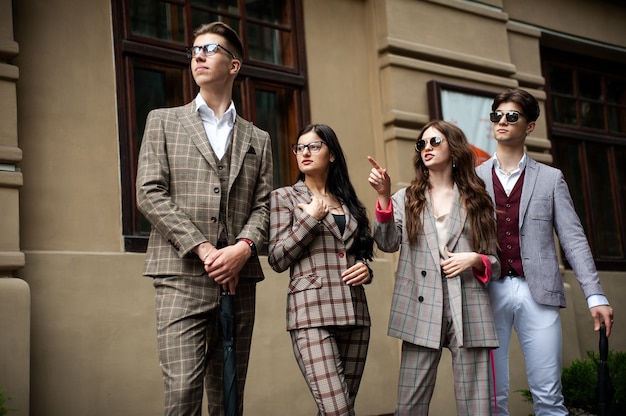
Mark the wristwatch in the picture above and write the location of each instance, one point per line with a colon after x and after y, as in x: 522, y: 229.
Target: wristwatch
x: 251, y: 244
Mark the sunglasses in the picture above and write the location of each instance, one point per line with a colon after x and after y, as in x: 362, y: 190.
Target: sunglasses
x: 434, y: 142
x: 512, y: 117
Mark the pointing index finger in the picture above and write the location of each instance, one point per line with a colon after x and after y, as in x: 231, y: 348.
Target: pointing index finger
x: 373, y: 162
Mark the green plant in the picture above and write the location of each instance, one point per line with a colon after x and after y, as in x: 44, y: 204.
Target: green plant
x: 580, y: 384
x: 4, y: 398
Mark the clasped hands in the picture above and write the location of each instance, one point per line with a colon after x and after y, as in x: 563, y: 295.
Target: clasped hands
x: 223, y: 265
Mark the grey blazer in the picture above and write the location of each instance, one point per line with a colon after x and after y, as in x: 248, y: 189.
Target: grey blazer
x: 178, y: 190
x: 418, y: 293
x: 545, y: 207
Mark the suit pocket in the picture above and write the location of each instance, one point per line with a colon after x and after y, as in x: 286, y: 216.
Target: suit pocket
x: 304, y: 282
x: 540, y: 209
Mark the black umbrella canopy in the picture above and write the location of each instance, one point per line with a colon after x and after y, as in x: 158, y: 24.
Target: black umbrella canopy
x: 605, y: 387
x: 227, y: 333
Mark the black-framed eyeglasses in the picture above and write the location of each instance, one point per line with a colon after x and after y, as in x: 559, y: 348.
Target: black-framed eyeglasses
x: 314, y: 147
x: 512, y: 117
x: 434, y: 142
x: 209, y: 49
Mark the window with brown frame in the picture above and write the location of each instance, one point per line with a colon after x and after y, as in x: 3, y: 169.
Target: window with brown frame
x: 153, y: 71
x: 586, y: 114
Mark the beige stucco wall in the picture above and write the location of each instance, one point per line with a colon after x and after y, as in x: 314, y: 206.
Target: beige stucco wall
x: 93, y: 338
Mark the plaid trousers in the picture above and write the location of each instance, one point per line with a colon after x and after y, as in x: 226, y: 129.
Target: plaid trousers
x: 189, y: 344
x: 418, y: 372
x: 332, y: 360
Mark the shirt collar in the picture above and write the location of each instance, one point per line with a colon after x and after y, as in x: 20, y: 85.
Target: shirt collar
x: 229, y: 115
x: 520, y: 166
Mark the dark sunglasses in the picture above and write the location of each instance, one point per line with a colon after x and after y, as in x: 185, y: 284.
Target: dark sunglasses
x: 209, y: 49
x: 511, y: 116
x: 434, y: 142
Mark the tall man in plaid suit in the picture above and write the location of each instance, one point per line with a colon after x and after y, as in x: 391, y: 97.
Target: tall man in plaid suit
x: 203, y: 182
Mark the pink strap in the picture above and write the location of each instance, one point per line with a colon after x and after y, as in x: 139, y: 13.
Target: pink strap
x: 493, y: 372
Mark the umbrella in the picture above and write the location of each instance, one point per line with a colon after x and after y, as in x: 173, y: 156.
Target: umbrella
x: 605, y: 387
x: 227, y: 332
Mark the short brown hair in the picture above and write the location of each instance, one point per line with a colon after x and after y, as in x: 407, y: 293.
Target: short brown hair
x: 220, y: 28
x: 528, y: 103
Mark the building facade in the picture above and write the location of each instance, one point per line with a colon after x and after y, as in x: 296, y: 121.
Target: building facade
x: 77, y: 78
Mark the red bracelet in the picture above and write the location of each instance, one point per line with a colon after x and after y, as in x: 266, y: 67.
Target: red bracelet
x: 250, y: 243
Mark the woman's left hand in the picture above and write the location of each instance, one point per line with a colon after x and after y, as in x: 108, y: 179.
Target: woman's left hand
x: 356, y: 275
x: 457, y: 263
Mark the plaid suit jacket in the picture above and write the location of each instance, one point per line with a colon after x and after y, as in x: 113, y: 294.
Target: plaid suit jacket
x: 178, y: 190
x: 316, y: 254
x: 417, y: 304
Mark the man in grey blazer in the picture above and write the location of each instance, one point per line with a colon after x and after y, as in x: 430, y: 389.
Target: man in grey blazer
x: 532, y: 202
x: 203, y: 182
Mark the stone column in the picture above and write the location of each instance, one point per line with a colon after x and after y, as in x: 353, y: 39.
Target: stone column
x: 14, y: 292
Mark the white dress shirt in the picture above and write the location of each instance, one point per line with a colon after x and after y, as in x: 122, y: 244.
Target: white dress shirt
x: 218, y: 131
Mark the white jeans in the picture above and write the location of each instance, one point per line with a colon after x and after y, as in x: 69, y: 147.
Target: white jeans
x: 538, y: 328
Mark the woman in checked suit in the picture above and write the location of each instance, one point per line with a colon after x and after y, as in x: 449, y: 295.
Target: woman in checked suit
x: 444, y: 226
x: 319, y: 230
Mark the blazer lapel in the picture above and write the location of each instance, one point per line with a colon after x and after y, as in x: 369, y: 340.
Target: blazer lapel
x: 351, y: 224
x: 488, y: 178
x: 190, y: 119
x: 458, y: 215
x: 430, y: 230
x: 530, y: 179
x: 240, y: 142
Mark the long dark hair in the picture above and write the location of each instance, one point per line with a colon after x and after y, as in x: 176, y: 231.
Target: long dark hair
x: 338, y: 183
x: 474, y: 197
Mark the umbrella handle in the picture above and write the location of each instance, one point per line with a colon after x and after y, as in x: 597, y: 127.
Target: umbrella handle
x: 603, y: 344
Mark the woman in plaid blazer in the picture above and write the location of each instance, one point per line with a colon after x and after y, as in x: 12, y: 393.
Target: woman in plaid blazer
x: 320, y: 231
x: 441, y: 223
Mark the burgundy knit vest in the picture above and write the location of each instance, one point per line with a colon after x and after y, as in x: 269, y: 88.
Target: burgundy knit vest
x: 507, y: 215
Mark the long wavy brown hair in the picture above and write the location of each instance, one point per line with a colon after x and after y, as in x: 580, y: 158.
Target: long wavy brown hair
x: 474, y: 197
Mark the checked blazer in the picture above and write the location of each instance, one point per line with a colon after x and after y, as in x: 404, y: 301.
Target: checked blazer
x: 417, y: 303
x: 545, y: 207
x: 178, y: 190
x: 316, y: 254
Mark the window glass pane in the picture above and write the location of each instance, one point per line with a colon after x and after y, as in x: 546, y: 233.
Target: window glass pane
x: 155, y: 87
x: 566, y: 158
x: 589, y: 85
x: 561, y: 81
x: 616, y: 91
x: 592, y: 115
x: 268, y: 11
x: 603, y: 205
x: 620, y: 159
x: 564, y: 110
x: 269, y: 45
x: 157, y: 20
x: 200, y: 17
x: 617, y: 119
x: 229, y: 6
x: 272, y: 109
